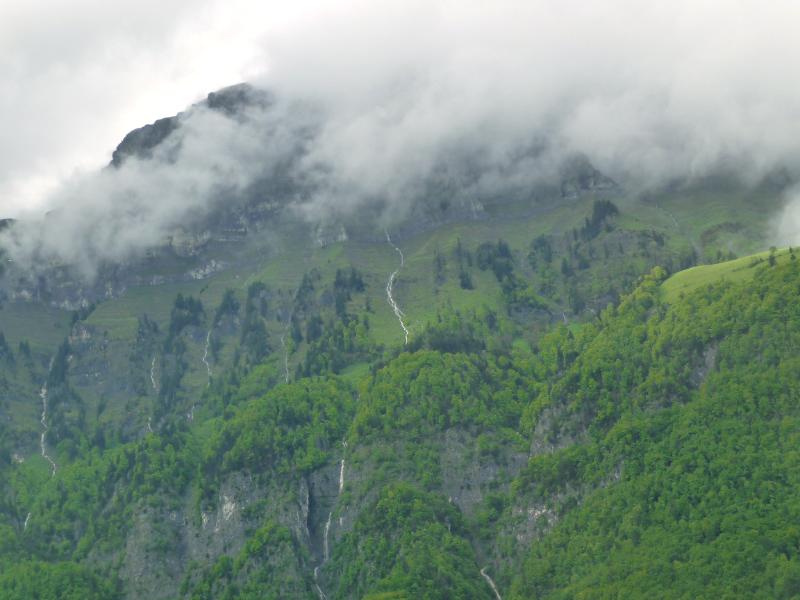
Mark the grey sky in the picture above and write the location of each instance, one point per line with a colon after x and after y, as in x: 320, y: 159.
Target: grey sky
x: 648, y: 90
x: 76, y: 75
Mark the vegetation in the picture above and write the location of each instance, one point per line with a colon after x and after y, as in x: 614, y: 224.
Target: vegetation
x: 409, y: 544
x: 569, y: 416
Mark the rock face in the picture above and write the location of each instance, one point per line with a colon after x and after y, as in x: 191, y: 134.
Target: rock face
x: 165, y: 544
x: 140, y: 142
x: 579, y: 176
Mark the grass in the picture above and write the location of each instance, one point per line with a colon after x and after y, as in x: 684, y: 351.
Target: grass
x: 699, y: 218
x: 740, y: 269
x: 701, y: 214
x: 43, y: 327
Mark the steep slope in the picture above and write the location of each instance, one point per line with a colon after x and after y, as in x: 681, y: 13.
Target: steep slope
x: 647, y: 452
x: 269, y: 407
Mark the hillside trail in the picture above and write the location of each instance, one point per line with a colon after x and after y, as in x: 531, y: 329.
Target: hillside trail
x: 390, y: 285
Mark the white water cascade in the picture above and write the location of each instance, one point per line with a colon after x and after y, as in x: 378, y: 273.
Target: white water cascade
x: 491, y: 583
x: 153, y: 374
x: 205, y: 355
x: 45, y: 428
x: 320, y: 593
x: 326, y: 554
x: 390, y: 284
x: 27, y: 519
x: 325, y: 549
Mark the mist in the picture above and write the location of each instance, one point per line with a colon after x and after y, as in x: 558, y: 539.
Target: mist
x: 487, y: 95
x: 114, y: 215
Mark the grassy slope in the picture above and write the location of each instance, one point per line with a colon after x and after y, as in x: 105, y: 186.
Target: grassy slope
x: 718, y: 219
x: 282, y: 261
x: 41, y: 326
x: 740, y: 269
x: 677, y: 214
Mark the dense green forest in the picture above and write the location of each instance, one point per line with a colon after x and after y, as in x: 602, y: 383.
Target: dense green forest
x: 646, y: 446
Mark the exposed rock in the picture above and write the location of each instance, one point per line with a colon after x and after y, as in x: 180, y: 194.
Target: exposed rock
x: 578, y: 176
x: 141, y: 142
x: 466, y: 475
x: 701, y: 371
x: 163, y: 542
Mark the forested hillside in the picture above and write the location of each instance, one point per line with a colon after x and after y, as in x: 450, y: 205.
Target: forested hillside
x: 542, y: 393
x: 647, y: 449
x: 399, y: 300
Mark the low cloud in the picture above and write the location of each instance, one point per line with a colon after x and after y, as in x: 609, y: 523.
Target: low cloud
x: 477, y: 97
x: 115, y: 214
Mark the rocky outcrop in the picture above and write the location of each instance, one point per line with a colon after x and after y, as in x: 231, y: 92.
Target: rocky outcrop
x: 141, y: 142
x: 167, y: 544
x: 578, y: 176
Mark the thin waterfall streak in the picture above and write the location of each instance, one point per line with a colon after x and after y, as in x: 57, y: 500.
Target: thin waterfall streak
x: 325, y: 548
x: 390, y: 285
x: 153, y: 374
x: 43, y: 421
x: 205, y: 355
x: 488, y: 579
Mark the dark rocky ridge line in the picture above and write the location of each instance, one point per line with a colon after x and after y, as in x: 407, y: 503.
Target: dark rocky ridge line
x: 140, y: 142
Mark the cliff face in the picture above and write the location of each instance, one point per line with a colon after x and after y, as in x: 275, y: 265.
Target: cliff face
x: 170, y: 546
x: 140, y: 142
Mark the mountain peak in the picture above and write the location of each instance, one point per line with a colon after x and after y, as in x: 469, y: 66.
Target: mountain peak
x: 229, y: 100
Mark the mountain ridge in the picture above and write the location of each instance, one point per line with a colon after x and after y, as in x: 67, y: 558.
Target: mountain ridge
x: 249, y: 418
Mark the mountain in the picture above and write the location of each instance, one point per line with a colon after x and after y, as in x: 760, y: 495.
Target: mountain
x: 566, y: 390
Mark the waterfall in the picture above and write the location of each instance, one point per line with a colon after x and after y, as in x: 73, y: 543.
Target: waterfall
x: 390, y: 284
x: 45, y: 428
x: 325, y: 550
x: 153, y: 374
x: 491, y: 583
x: 326, y: 554
x: 205, y: 355
x: 320, y: 593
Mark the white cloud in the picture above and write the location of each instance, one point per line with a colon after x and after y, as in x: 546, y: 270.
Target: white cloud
x: 77, y: 75
x: 649, y: 91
